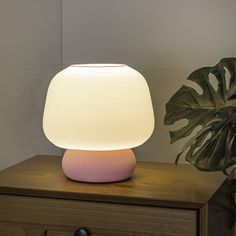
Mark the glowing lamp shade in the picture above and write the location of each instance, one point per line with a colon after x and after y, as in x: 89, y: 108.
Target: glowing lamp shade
x: 97, y: 109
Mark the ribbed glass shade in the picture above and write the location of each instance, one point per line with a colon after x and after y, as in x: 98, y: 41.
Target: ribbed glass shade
x: 98, y: 107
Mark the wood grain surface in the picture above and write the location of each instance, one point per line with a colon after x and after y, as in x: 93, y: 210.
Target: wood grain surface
x: 102, y: 219
x: 157, y: 184
x: 17, y: 229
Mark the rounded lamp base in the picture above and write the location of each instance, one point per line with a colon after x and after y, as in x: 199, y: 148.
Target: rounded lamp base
x: 98, y: 166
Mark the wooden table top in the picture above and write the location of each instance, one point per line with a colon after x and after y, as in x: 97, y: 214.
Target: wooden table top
x: 158, y: 184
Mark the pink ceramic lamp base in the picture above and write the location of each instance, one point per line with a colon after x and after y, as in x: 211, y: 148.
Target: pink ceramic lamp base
x: 98, y: 166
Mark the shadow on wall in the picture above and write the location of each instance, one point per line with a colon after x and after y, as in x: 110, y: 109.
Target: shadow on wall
x: 163, y: 84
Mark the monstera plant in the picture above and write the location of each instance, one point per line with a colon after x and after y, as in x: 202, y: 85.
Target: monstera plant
x: 213, y: 147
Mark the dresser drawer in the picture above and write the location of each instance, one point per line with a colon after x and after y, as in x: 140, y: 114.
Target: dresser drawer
x: 102, y: 219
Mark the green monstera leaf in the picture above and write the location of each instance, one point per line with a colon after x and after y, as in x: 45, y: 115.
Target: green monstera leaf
x: 213, y: 147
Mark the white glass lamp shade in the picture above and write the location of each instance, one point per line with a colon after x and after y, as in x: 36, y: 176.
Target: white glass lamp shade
x: 98, y: 107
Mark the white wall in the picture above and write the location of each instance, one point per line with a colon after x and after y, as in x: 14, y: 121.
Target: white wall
x: 163, y: 39
x: 30, y: 54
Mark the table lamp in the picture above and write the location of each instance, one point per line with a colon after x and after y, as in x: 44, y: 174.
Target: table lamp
x: 98, y: 112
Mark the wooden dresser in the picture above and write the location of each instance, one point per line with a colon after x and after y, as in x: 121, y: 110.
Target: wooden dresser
x: 36, y: 199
